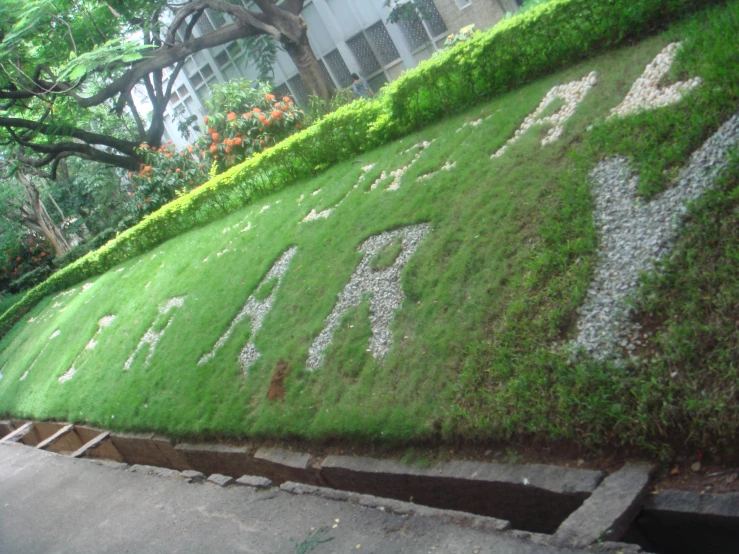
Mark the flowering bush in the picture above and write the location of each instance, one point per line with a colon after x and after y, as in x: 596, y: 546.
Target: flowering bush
x: 245, y: 118
x: 163, y: 175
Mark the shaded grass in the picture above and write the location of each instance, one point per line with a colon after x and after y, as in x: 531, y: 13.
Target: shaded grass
x: 491, y: 294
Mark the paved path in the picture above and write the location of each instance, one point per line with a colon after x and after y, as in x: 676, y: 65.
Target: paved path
x: 51, y: 503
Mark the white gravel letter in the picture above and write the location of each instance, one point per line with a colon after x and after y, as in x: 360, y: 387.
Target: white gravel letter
x: 633, y: 235
x: 152, y: 337
x: 572, y: 93
x: 257, y: 310
x: 104, y: 322
x: 647, y: 94
x: 384, y: 288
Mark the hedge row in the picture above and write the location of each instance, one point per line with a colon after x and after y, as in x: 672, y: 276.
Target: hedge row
x: 516, y: 51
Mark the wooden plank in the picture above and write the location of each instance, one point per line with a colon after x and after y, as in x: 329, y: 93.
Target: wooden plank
x: 56, y: 436
x: 91, y: 444
x: 18, y: 433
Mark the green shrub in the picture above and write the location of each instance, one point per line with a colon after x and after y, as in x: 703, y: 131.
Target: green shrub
x: 80, y: 250
x: 518, y: 50
x: 30, y: 279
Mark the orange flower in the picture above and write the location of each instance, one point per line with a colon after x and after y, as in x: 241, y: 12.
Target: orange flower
x: 257, y: 110
x: 130, y: 174
x: 231, y: 116
x: 213, y: 148
x: 215, y: 136
x: 237, y: 141
x: 286, y: 99
x: 189, y: 148
x: 205, y: 119
x: 168, y: 155
x: 298, y: 126
x: 228, y: 149
x: 177, y: 170
x: 246, y: 115
x: 147, y: 168
x: 269, y: 97
x: 276, y: 114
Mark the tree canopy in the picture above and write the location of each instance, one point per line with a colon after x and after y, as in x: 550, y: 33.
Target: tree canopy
x: 66, y: 66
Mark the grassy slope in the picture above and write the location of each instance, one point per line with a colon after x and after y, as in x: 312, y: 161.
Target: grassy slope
x: 487, y: 293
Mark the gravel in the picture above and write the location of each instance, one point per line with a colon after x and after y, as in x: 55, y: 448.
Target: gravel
x: 647, y: 94
x: 384, y: 288
x: 257, y: 310
x: 634, y: 235
x: 152, y: 337
x: 572, y: 93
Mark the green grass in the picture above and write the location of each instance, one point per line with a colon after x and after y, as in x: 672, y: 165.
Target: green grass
x: 489, y: 294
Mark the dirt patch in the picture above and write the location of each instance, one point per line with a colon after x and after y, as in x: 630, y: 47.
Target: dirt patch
x: 276, y: 389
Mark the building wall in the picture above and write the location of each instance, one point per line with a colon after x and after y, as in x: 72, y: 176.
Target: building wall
x: 348, y: 36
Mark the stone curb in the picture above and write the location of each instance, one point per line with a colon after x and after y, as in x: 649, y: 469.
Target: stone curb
x: 398, y: 507
x: 532, y: 497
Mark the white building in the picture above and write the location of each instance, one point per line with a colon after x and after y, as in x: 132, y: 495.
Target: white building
x: 347, y: 36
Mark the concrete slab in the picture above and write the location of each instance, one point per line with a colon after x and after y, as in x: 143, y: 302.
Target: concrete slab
x: 532, y: 497
x: 683, y: 522
x: 41, y: 431
x: 81, y: 506
x: 234, y: 461
x: 610, y: 510
x: 175, y: 459
x: 282, y: 465
x: 20, y: 431
x: 6, y: 427
x: 57, y: 438
x: 140, y: 448
x: 194, y: 476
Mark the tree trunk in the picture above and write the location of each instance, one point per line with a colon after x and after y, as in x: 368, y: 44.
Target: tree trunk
x: 309, y: 69
x: 35, y: 217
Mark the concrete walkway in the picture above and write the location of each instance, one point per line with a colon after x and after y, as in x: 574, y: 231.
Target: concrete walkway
x: 51, y: 503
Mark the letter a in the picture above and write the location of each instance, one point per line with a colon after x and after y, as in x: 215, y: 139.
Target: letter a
x: 384, y: 287
x: 152, y: 337
x: 257, y: 310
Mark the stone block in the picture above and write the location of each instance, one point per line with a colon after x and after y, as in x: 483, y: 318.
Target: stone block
x: 220, y: 480
x: 226, y: 460
x: 281, y: 465
x: 83, y: 450
x: 193, y: 476
x: 610, y: 510
x: 532, y: 497
x: 681, y: 521
x: 140, y: 448
x: 64, y: 440
x: 176, y: 459
x: 254, y: 481
x: 157, y: 471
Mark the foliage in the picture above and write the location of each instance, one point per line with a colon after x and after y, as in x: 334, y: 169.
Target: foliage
x: 80, y: 250
x: 29, y: 254
x: 165, y: 174
x: 30, y: 279
x: 245, y: 118
x: 513, y: 52
x: 465, y: 33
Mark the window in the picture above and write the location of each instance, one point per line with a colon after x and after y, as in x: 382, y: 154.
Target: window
x: 336, y: 64
x: 360, y: 47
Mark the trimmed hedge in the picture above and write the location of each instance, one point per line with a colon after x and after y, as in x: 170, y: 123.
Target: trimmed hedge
x: 516, y: 51
x: 80, y: 250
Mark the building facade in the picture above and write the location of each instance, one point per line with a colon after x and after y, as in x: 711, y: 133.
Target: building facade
x: 347, y: 36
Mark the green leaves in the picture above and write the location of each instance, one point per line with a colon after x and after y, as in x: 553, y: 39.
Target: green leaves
x: 110, y: 55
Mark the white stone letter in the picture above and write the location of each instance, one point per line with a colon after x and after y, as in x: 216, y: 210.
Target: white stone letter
x: 383, y: 286
x: 54, y: 335
x: 572, y: 93
x: 78, y: 361
x: 633, y: 235
x: 647, y: 94
x: 257, y: 310
x: 152, y: 337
